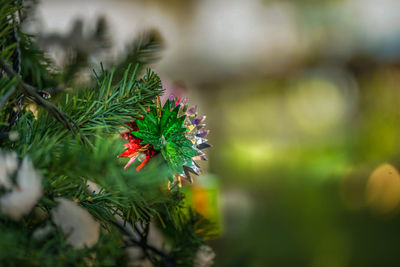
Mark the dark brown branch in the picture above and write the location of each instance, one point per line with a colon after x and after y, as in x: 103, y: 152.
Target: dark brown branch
x: 32, y: 92
x: 143, y: 244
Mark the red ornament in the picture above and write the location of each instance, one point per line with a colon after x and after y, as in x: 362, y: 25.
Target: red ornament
x: 134, y: 149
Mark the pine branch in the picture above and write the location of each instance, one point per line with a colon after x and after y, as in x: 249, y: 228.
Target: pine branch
x: 8, y: 28
x: 17, y: 53
x: 144, y: 50
x: 93, y: 116
x: 11, y: 90
x: 142, y: 243
x: 35, y: 66
x: 107, y: 106
x: 31, y: 91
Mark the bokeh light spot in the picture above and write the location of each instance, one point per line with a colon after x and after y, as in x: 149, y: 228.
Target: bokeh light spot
x: 316, y: 104
x: 383, y: 189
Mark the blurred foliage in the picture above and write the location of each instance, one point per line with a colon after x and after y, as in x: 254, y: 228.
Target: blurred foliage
x: 144, y: 50
x: 305, y: 159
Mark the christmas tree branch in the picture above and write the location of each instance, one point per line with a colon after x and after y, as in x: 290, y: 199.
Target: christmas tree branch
x: 9, y: 93
x: 31, y: 91
x: 143, y: 244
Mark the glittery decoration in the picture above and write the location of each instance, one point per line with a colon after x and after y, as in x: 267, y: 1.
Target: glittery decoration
x: 135, y: 150
x: 174, y: 130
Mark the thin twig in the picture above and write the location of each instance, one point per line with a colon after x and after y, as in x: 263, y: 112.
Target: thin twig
x: 32, y: 92
x: 166, y: 260
x: 7, y: 95
x: 146, y: 231
x: 17, y: 52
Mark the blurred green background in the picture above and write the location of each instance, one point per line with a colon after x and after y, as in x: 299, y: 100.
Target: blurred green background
x: 302, y: 100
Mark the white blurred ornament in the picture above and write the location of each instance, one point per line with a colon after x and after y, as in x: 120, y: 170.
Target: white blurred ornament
x: 77, y: 223
x: 22, y: 197
x: 8, y: 165
x: 204, y: 256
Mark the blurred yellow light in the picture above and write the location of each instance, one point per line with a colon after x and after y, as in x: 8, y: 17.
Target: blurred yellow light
x: 383, y: 189
x: 254, y: 155
x: 316, y: 104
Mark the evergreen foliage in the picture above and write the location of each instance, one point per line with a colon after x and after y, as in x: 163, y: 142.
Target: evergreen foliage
x: 73, y: 138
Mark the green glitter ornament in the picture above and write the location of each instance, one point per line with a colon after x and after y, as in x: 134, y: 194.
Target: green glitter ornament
x: 166, y: 130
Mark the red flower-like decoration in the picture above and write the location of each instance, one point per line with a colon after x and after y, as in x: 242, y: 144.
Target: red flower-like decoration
x: 134, y: 149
